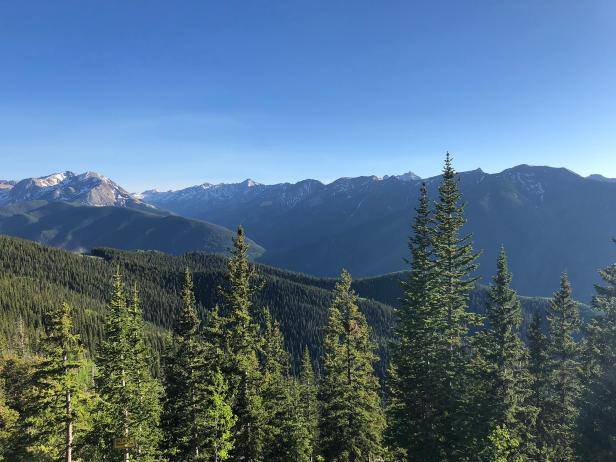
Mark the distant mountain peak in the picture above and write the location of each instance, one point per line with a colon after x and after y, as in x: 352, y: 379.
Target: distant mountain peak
x: 526, y: 168
x: 408, y: 176
x: 250, y: 183
x: 53, y: 179
x: 88, y: 188
x: 604, y: 179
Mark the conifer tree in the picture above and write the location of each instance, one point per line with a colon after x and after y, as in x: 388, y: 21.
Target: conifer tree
x: 413, y: 412
x: 598, y: 420
x: 55, y: 394
x: 563, y: 374
x: 196, y: 408
x: 239, y: 335
x: 454, y: 264
x: 352, y: 420
x: 504, y: 379
x: 129, y: 405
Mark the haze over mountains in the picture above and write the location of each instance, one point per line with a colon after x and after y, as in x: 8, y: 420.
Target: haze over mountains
x: 550, y: 220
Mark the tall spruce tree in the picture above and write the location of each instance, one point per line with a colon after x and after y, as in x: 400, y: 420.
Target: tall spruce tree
x: 597, y: 427
x: 503, y: 377
x: 454, y: 264
x: 563, y: 375
x: 352, y: 420
x: 196, y: 408
x: 239, y: 334
x: 129, y: 405
x: 55, y: 394
x: 415, y: 420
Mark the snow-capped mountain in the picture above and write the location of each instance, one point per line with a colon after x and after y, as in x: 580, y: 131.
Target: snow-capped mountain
x: 83, y: 211
x: 86, y: 189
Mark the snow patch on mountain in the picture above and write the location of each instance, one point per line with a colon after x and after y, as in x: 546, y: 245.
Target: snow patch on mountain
x: 87, y: 188
x: 528, y: 182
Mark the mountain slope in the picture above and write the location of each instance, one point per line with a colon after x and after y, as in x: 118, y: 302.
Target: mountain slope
x: 80, y: 228
x: 35, y: 277
x: 550, y: 220
x: 86, y: 189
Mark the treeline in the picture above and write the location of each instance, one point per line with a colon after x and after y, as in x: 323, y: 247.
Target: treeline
x: 34, y: 278
x: 461, y: 385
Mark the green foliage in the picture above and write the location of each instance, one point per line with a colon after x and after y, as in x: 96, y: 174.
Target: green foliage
x: 501, y: 385
x: 597, y: 427
x: 217, y: 421
x: 129, y: 405
x: 34, y: 278
x: 197, y: 416
x: 287, y: 431
x: 56, y: 400
x: 454, y: 262
x: 419, y: 343
x: 239, y: 347
x: 9, y: 418
x: 430, y: 374
x: 15, y: 376
x: 352, y: 420
x: 309, y: 404
x: 502, y: 447
x: 563, y: 375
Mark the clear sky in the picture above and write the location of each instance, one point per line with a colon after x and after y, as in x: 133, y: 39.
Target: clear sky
x: 173, y: 93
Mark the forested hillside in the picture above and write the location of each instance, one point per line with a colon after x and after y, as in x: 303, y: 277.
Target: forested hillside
x: 37, y: 277
x: 80, y: 228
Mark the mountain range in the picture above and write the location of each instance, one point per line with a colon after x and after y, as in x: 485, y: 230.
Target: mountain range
x: 550, y: 220
x: 79, y: 212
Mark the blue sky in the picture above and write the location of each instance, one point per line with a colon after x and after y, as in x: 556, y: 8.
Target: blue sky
x: 173, y: 93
